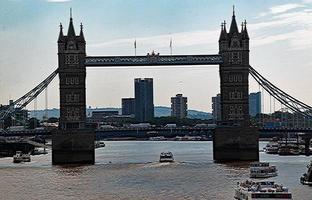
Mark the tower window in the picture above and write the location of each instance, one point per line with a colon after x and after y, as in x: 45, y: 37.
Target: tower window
x: 71, y: 59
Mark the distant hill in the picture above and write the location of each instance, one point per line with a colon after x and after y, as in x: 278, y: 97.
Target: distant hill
x: 160, y: 111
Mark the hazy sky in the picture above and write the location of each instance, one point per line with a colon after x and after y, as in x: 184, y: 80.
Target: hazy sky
x: 280, y: 45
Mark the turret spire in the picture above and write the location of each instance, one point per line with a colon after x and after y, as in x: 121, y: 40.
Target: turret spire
x: 71, y: 30
x: 233, y: 27
x: 61, y: 35
x: 224, y: 25
x: 245, y: 30
x: 223, y: 34
x: 81, y: 33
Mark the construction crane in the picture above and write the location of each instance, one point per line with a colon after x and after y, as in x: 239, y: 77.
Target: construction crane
x: 23, y: 101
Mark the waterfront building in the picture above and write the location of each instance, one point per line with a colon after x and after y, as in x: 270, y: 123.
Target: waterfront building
x: 144, y: 100
x: 254, y: 103
x: 179, y: 106
x: 127, y: 106
x: 101, y: 114
x: 216, y: 107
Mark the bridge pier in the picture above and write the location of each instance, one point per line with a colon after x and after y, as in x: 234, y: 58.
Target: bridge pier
x: 73, y: 147
x: 232, y: 143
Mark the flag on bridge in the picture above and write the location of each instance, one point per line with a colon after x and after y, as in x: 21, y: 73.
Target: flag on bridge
x: 135, y: 47
x: 170, y: 45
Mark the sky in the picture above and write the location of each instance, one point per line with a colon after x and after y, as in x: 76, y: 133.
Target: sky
x: 280, y: 46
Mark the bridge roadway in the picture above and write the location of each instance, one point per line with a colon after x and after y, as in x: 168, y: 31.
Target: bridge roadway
x: 152, y: 131
x: 152, y: 60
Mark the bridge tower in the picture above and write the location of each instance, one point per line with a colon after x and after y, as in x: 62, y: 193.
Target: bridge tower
x: 235, y: 139
x: 72, y: 143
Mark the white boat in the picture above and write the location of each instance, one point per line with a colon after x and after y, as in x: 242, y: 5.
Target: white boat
x: 19, y: 157
x: 262, y: 170
x: 272, y: 148
x: 99, y: 144
x: 166, y: 157
x: 306, y: 178
x: 250, y: 190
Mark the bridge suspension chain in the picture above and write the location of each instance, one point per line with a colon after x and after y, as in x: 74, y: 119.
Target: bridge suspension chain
x: 290, y: 102
x: 23, y: 101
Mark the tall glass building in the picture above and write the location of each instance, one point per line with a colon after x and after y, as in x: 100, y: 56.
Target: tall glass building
x: 144, y: 99
x: 254, y: 103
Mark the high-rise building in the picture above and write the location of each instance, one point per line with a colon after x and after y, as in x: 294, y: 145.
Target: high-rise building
x: 254, y: 103
x: 179, y: 106
x: 144, y: 101
x: 216, y: 107
x: 127, y: 105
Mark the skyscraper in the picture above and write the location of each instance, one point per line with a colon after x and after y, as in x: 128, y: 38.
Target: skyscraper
x: 179, y: 106
x: 127, y: 106
x: 254, y: 103
x: 216, y: 107
x: 144, y: 101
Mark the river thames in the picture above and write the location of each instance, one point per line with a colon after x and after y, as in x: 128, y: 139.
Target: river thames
x: 130, y: 170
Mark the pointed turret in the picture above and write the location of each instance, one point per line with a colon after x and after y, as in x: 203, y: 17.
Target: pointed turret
x: 61, y: 35
x: 71, y: 30
x: 246, y: 36
x: 233, y: 27
x: 81, y: 36
x: 223, y: 33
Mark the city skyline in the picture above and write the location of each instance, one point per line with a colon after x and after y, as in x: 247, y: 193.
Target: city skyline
x: 35, y: 49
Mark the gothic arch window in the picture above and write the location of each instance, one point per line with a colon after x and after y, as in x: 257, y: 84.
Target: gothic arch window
x: 235, y: 58
x: 72, y: 114
x: 71, y: 59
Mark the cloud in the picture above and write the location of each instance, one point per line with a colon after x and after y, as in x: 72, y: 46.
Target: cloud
x: 284, y: 8
x: 281, y: 9
x: 292, y: 27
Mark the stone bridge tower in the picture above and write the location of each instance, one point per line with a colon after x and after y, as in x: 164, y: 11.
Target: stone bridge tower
x: 73, y: 143
x: 234, y: 48
x: 235, y: 139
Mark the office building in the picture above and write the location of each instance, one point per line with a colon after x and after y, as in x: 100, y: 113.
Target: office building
x: 216, y: 107
x: 144, y: 101
x: 179, y: 106
x: 127, y: 106
x: 254, y: 103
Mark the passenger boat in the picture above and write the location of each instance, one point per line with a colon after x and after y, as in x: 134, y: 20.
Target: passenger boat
x: 289, y: 149
x: 19, y: 157
x: 262, y: 170
x: 306, y: 178
x: 250, y: 190
x: 271, y: 148
x: 99, y: 144
x: 166, y: 157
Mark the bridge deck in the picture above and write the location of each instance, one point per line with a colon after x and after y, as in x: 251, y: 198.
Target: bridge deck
x: 152, y: 60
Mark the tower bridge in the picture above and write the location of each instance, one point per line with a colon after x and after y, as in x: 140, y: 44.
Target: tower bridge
x: 234, y: 138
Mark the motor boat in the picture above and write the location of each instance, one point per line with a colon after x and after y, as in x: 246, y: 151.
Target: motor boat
x: 166, y: 157
x: 262, y: 170
x: 20, y: 157
x: 250, y: 190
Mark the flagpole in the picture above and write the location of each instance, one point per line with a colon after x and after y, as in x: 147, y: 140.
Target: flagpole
x: 135, y: 47
x: 171, y: 46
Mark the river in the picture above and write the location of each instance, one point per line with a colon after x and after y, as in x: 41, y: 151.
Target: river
x: 130, y: 170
